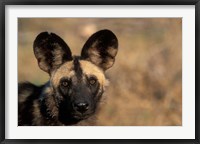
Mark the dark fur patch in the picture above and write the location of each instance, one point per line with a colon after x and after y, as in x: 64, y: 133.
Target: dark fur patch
x: 25, y: 107
x: 77, y: 68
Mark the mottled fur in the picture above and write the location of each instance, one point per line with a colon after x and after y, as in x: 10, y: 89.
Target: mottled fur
x: 73, y: 94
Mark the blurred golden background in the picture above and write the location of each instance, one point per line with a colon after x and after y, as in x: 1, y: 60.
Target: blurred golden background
x: 146, y: 80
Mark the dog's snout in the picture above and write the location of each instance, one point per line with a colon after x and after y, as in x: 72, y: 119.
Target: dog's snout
x: 81, y: 107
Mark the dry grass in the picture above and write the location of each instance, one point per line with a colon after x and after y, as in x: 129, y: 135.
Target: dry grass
x: 146, y: 80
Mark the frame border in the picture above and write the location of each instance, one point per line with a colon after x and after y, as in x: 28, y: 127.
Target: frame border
x: 3, y: 4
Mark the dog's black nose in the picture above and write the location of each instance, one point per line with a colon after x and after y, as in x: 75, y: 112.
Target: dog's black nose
x: 81, y: 107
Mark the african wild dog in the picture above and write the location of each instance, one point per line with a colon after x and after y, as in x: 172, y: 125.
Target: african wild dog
x: 76, y: 85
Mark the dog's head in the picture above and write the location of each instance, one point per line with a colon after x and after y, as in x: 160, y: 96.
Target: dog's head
x: 77, y: 81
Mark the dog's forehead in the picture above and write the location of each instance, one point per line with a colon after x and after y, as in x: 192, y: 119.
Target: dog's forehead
x: 90, y: 69
x: 68, y: 70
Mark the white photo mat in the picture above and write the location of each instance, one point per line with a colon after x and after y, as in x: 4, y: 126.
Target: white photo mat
x: 186, y: 131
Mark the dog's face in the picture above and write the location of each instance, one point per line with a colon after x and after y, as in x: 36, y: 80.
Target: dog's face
x: 78, y: 82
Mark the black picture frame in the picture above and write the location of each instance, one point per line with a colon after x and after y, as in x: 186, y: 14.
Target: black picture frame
x: 100, y: 2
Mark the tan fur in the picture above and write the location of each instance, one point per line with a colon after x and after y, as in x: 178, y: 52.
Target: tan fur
x: 112, y: 51
x: 58, y: 54
x: 52, y: 106
x: 91, y: 69
x: 42, y: 64
x: 65, y: 70
x: 94, y: 55
x: 37, y: 117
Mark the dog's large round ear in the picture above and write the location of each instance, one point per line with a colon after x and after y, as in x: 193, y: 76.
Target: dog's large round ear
x: 51, y: 51
x: 101, y: 49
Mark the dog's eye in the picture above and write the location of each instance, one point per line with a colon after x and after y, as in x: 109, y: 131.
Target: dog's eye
x: 92, y: 81
x: 65, y: 83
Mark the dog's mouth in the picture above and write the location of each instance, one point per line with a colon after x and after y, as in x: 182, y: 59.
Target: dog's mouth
x: 73, y: 117
x: 80, y: 116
